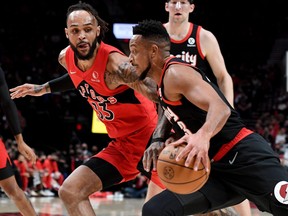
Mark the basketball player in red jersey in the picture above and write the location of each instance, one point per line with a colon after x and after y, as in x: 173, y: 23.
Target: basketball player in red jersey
x: 199, y: 47
x: 7, y: 179
x: 243, y: 164
x: 98, y: 71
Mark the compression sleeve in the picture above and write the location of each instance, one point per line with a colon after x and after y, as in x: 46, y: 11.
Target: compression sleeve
x: 60, y: 84
x: 9, y: 106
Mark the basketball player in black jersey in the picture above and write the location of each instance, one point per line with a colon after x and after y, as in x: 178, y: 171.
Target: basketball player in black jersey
x: 196, y: 45
x: 243, y: 165
x: 7, y: 178
x: 199, y: 47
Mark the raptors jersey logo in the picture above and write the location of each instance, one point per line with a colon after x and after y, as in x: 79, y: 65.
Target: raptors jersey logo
x: 281, y: 192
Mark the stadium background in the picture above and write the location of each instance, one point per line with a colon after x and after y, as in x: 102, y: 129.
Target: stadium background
x: 32, y: 35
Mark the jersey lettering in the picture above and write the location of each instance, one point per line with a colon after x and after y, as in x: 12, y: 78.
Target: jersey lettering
x: 185, y: 56
x: 98, y: 102
x: 175, y: 120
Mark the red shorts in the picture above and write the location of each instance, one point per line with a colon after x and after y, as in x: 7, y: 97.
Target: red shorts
x: 126, y: 153
x: 5, y: 163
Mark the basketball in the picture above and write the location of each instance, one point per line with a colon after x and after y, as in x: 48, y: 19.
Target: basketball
x: 176, y: 176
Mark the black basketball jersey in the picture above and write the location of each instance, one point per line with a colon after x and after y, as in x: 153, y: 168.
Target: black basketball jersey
x: 184, y: 114
x: 188, y: 49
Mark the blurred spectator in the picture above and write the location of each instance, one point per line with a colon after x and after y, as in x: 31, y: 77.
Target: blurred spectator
x: 136, y: 188
x: 280, y: 140
x: 86, y: 153
x: 57, y: 176
x: 22, y: 166
x: 94, y: 149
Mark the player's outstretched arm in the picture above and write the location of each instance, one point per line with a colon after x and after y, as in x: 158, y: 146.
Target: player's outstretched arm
x: 24, y: 149
x: 60, y: 84
x: 29, y: 89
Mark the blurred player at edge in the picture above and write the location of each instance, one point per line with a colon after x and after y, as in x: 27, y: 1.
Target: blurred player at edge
x: 7, y: 178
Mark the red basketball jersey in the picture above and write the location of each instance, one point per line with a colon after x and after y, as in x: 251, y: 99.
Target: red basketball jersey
x: 122, y: 110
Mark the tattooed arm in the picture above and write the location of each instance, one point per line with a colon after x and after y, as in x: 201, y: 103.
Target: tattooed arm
x: 119, y: 71
x: 60, y: 84
x: 29, y: 89
x: 147, y: 87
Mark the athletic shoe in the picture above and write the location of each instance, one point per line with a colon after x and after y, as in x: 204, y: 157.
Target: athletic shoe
x: 47, y: 193
x: 33, y: 193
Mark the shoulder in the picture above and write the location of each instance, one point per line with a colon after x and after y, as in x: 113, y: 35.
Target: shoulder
x: 63, y: 51
x: 208, y: 41
x: 115, y: 59
x: 179, y: 72
x: 179, y: 77
x: 206, y: 34
x: 61, y: 57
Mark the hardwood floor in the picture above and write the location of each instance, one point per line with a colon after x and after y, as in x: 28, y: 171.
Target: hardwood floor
x: 52, y: 206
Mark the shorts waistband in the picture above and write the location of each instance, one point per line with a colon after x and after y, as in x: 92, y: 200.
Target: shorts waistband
x: 228, y: 146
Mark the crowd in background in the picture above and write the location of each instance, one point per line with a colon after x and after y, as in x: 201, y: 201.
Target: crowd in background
x: 46, y: 176
x: 29, y: 51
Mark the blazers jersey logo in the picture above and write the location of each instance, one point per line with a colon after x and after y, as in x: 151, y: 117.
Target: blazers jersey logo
x: 191, y: 42
x: 281, y: 192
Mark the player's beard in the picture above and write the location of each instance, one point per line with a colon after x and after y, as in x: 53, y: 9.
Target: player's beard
x: 90, y: 53
x: 145, y: 72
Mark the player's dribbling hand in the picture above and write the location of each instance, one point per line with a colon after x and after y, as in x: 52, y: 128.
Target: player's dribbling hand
x: 151, y: 155
x: 195, y: 147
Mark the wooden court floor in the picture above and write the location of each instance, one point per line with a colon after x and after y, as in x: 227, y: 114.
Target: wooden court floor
x: 52, y: 206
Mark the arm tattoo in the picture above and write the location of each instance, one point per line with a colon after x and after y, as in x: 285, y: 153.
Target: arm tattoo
x: 127, y: 72
x: 47, y: 88
x: 38, y: 88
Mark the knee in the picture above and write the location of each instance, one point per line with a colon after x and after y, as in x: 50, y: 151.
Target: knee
x: 65, y: 194
x: 16, y: 194
x: 149, y: 209
x: 12, y: 190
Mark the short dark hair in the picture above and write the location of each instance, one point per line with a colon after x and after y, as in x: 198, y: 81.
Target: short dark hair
x: 87, y: 7
x: 190, y: 1
x: 152, y: 30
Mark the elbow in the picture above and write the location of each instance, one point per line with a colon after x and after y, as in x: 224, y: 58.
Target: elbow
x: 226, y: 111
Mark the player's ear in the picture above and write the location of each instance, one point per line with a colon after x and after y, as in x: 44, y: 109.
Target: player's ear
x: 167, y: 6
x: 192, y: 7
x: 66, y: 33
x: 98, y: 29
x: 154, y: 50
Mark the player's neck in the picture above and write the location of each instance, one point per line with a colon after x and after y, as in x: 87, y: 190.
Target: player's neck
x: 177, y: 30
x: 85, y: 65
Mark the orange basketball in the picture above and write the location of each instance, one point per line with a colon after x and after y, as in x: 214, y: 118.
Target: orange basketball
x: 176, y: 176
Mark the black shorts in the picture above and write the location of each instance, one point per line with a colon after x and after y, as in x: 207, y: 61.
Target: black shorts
x: 251, y: 169
x: 7, y: 171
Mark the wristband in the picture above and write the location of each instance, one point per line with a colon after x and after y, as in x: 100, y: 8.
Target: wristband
x: 158, y: 139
